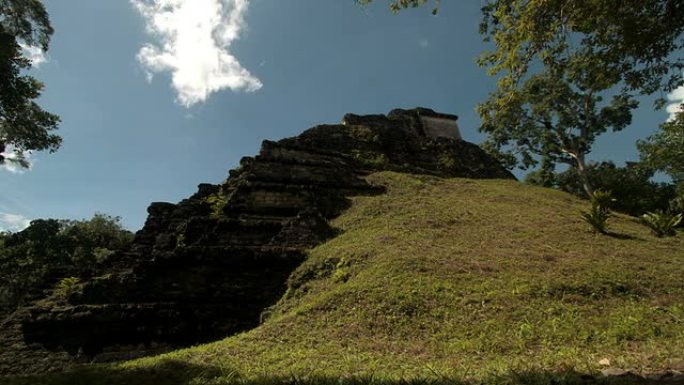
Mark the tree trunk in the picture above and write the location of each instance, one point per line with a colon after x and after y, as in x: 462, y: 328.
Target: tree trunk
x: 584, y: 176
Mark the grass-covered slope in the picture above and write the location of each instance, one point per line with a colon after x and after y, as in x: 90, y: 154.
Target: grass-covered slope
x: 443, y: 279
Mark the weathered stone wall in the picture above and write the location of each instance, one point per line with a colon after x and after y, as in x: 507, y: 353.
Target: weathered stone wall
x: 441, y: 128
x: 208, y: 266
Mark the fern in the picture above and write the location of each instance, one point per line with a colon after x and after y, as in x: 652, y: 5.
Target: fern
x: 661, y: 223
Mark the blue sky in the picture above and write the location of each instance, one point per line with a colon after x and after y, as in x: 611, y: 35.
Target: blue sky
x: 156, y: 100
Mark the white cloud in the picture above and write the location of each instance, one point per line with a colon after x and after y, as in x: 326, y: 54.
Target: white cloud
x: 193, y: 42
x: 424, y: 43
x: 13, y: 222
x: 677, y: 94
x: 677, y: 98
x: 672, y: 109
x: 13, y: 161
x: 35, y: 54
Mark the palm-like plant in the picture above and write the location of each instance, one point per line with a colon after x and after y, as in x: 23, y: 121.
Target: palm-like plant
x: 599, y: 213
x: 661, y: 223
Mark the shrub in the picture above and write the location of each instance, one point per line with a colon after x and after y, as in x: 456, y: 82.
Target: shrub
x: 677, y: 204
x: 677, y: 207
x: 102, y: 254
x: 661, y: 223
x: 445, y: 161
x: 217, y: 202
x: 32, y: 260
x: 597, y: 218
x: 599, y: 213
x: 370, y: 159
x: 631, y: 186
x: 66, y: 287
x: 603, y: 199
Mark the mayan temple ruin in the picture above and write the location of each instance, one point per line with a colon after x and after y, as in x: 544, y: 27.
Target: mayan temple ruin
x: 208, y: 266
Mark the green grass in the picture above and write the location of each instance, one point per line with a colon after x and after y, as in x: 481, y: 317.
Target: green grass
x: 442, y: 281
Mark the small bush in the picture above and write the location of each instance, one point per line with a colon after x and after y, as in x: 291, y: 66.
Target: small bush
x: 102, y: 254
x: 597, y: 218
x: 661, y: 223
x: 217, y: 202
x: 631, y: 186
x: 603, y: 199
x: 371, y: 159
x: 445, y: 161
x: 31, y: 259
x: 677, y: 207
x: 599, y: 213
x: 67, y: 287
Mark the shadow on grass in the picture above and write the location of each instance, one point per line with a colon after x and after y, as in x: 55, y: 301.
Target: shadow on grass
x: 623, y: 236
x: 166, y: 372
x: 174, y: 372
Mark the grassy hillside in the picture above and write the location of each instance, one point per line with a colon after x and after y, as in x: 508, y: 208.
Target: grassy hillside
x: 455, y: 279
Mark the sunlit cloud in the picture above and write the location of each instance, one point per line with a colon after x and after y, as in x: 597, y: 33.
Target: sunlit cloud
x: 13, y: 222
x: 35, y: 54
x: 192, y: 42
x: 14, y: 162
x: 677, y: 98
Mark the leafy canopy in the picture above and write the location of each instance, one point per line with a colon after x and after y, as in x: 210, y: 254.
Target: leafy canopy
x: 50, y: 249
x: 558, y: 61
x: 568, y: 71
x: 631, y: 186
x: 639, y: 42
x: 555, y: 114
x: 24, y: 125
x: 397, y: 5
x: 26, y: 20
x: 664, y: 151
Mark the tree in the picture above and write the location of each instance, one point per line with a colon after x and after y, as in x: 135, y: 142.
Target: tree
x: 584, y: 51
x: 556, y: 115
x: 578, y: 52
x: 38, y: 256
x: 24, y: 125
x: 397, y: 5
x: 27, y: 20
x: 664, y: 151
x: 631, y: 186
x: 640, y: 39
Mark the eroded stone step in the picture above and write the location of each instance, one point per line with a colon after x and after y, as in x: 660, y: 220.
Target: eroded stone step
x: 89, y: 329
x: 290, y: 151
x: 245, y: 230
x: 305, y: 174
